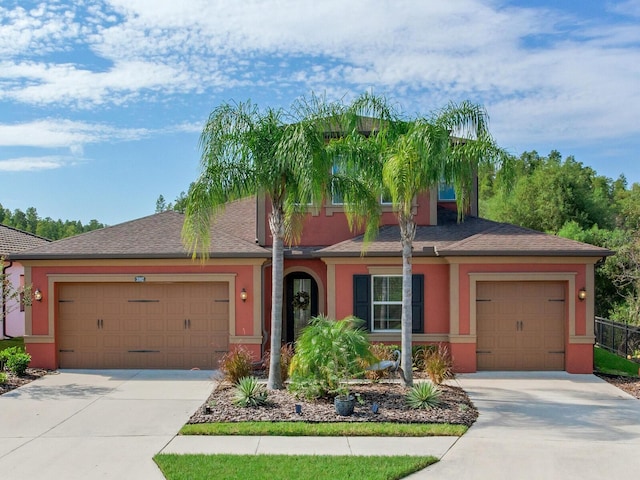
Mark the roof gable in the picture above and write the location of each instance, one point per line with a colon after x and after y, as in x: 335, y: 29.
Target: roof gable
x: 157, y: 236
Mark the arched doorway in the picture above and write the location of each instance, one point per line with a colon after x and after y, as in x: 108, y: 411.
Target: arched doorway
x: 301, y: 304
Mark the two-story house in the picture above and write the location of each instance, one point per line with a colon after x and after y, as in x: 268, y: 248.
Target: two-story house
x: 130, y: 296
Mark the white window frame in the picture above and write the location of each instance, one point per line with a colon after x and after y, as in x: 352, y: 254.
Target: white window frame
x: 374, y: 303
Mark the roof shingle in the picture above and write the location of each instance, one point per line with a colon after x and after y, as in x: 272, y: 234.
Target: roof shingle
x: 13, y: 240
x: 473, y: 237
x: 155, y: 236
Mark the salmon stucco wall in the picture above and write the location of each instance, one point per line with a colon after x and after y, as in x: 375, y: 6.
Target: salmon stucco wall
x: 329, y: 224
x: 436, y: 281
x: 464, y: 357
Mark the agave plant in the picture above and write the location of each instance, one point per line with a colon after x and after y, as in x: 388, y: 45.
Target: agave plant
x: 250, y: 393
x: 424, y: 395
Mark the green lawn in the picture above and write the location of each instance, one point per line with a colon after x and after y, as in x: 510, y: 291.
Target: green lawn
x: 269, y: 467
x: 331, y: 429
x: 609, y: 363
x: 12, y: 342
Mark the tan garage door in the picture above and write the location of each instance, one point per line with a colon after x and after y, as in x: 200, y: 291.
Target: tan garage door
x: 520, y: 325
x: 142, y: 325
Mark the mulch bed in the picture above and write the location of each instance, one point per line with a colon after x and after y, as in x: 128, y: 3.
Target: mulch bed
x: 455, y: 408
x: 628, y: 384
x: 14, y: 381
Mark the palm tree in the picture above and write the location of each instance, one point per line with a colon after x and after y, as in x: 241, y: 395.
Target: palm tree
x: 412, y: 157
x: 244, y: 151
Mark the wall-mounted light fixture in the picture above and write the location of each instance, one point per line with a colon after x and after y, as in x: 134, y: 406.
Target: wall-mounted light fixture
x: 37, y: 295
x: 582, y: 294
x: 243, y: 295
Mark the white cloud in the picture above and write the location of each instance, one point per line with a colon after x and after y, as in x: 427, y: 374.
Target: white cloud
x: 534, y: 68
x: 628, y: 7
x: 35, y: 164
x: 60, y: 133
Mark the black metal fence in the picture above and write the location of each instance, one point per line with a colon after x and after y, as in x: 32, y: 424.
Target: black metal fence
x: 618, y: 338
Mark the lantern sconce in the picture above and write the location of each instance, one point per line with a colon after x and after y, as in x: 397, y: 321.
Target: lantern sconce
x: 37, y: 295
x: 582, y: 294
x: 243, y: 295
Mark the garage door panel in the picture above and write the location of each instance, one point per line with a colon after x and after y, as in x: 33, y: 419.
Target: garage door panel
x: 520, y: 325
x: 114, y: 341
x: 143, y: 325
x: 156, y: 341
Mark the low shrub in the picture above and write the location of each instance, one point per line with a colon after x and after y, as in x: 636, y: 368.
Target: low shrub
x: 3, y: 378
x: 6, y: 353
x: 381, y: 352
x: 328, y: 354
x: 250, y: 393
x: 423, y: 395
x: 236, y: 364
x: 418, y: 353
x: 17, y: 362
x: 438, y: 364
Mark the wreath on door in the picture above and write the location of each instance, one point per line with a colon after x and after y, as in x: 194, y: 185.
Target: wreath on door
x: 301, y: 300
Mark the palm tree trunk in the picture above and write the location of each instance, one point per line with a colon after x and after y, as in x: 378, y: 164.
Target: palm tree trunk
x: 407, y: 233
x: 276, y: 224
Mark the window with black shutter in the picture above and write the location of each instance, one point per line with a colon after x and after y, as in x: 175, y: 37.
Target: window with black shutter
x: 377, y: 299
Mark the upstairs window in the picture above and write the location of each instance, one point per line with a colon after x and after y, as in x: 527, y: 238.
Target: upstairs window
x: 446, y: 193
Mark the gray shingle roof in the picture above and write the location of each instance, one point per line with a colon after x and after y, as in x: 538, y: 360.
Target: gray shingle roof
x: 157, y: 236
x: 13, y: 240
x: 473, y: 237
x: 233, y: 236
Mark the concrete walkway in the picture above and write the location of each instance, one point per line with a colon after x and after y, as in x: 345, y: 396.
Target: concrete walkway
x: 544, y: 426
x: 95, y: 424
x: 436, y: 446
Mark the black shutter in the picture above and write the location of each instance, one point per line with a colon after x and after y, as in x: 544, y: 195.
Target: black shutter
x: 417, y: 303
x: 362, y: 299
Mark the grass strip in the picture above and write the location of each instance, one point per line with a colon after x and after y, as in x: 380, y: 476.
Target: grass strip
x: 268, y: 467
x: 331, y: 429
x: 12, y: 342
x: 611, y: 364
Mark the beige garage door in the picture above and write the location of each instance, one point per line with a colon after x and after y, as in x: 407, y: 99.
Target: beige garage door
x: 520, y: 325
x: 142, y: 325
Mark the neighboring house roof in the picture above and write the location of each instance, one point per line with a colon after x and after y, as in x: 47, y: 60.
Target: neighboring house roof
x: 472, y: 237
x: 13, y: 240
x: 234, y: 232
x: 156, y: 236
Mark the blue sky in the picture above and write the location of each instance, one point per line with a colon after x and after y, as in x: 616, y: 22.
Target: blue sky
x: 102, y: 102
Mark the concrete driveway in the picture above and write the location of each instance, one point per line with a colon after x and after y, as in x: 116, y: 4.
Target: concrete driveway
x: 96, y: 424
x: 544, y: 426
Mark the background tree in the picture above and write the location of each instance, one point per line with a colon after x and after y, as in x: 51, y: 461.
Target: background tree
x: 31, y: 222
x: 544, y: 193
x: 178, y: 205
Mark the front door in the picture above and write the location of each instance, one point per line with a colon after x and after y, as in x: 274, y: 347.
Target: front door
x: 301, y: 304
